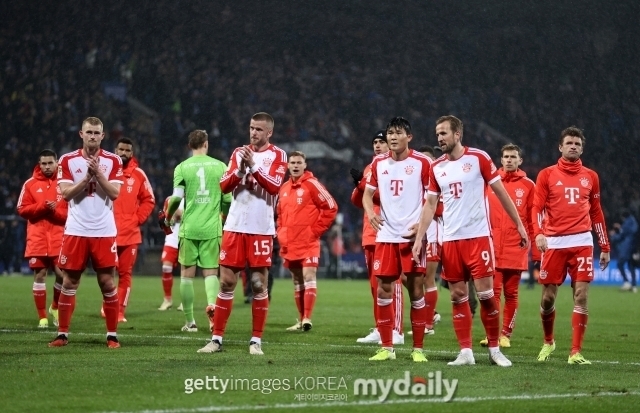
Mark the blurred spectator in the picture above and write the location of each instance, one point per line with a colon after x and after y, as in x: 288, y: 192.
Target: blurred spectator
x: 623, y: 239
x: 6, y: 247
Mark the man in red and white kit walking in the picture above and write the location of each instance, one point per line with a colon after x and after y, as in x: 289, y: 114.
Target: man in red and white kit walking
x: 89, y: 179
x: 401, y: 177
x: 511, y: 260
x: 461, y: 177
x: 254, y: 176
x: 41, y: 204
x: 380, y: 146
x: 567, y: 198
x: 305, y: 211
x: 132, y: 208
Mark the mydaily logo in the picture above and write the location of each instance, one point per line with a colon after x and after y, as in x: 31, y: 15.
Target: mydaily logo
x: 433, y: 385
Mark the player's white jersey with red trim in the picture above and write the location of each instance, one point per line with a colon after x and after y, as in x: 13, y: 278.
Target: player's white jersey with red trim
x: 255, y: 191
x: 172, y: 239
x: 90, y: 212
x: 401, y: 185
x: 463, y: 185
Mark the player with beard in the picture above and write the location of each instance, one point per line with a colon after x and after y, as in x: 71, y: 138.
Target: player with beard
x: 41, y: 204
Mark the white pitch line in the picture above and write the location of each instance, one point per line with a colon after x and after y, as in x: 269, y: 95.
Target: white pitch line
x: 190, y: 336
x: 388, y: 402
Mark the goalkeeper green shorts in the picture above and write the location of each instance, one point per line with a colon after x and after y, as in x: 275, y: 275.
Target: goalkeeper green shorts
x: 203, y: 253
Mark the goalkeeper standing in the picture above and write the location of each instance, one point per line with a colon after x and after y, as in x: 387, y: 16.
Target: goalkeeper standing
x: 197, y: 180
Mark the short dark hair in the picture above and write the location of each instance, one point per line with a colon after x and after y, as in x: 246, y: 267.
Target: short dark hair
x: 399, y: 123
x: 573, y: 131
x: 124, y: 140
x: 297, y: 153
x: 428, y: 149
x: 47, y: 152
x: 264, y: 116
x: 197, y: 138
x: 511, y: 147
x: 455, y: 123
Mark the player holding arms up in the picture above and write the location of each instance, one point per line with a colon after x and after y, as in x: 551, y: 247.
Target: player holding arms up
x: 511, y: 260
x: 197, y: 180
x: 461, y: 177
x: 254, y: 176
x: 169, y: 257
x: 567, y: 195
x: 41, y: 204
x: 380, y: 146
x: 305, y: 212
x: 132, y: 208
x: 401, y: 177
x: 89, y: 179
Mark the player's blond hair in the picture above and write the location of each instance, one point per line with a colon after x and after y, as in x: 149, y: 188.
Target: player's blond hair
x: 265, y: 117
x: 93, y: 121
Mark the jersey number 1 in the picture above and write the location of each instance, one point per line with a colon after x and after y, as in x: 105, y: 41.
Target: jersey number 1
x: 202, y: 191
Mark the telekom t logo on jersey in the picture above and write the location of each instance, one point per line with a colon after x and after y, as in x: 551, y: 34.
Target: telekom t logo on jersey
x: 396, y: 186
x: 572, y: 194
x: 456, y: 189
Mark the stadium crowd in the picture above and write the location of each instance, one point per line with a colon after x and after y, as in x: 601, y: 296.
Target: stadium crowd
x: 52, y: 77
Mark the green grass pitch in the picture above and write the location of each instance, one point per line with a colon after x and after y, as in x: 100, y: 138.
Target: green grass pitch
x: 149, y: 372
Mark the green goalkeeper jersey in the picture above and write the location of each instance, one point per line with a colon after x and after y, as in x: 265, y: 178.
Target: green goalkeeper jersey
x: 199, y: 177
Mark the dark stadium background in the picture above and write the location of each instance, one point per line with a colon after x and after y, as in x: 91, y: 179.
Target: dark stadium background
x: 513, y: 71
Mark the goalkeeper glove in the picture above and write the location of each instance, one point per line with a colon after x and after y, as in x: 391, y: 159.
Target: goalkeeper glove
x: 164, y: 225
x: 356, y: 175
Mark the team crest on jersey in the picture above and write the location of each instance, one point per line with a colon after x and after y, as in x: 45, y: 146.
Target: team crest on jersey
x: 130, y: 181
x: 543, y: 274
x: 466, y: 167
x: 409, y: 170
x: 300, y: 192
x: 584, y: 182
x: 267, y: 162
x: 376, y: 265
x: 223, y: 254
x: 32, y: 261
x: 63, y: 259
x: 519, y: 192
x: 103, y: 168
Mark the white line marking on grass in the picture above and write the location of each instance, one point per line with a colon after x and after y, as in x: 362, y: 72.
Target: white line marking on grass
x: 191, y: 336
x: 388, y: 402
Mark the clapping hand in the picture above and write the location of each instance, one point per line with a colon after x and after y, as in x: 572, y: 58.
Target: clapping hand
x: 93, y: 165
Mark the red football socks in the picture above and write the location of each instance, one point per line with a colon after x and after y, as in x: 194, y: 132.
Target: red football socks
x: 310, y: 292
x: 259, y: 310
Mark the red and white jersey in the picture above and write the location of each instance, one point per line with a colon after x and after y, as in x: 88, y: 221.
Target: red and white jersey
x: 567, y: 195
x: 401, y: 185
x: 172, y: 239
x: 463, y: 185
x: 90, y: 212
x: 255, y: 191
